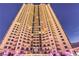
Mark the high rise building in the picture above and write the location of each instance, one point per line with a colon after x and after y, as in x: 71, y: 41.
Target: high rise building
x: 36, y: 30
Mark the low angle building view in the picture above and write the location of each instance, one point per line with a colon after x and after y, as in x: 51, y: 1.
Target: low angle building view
x: 36, y: 30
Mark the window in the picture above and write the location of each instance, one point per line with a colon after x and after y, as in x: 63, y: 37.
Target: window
x: 46, y: 35
x: 28, y: 34
x: 52, y: 43
x: 43, y: 39
x: 20, y: 40
x: 27, y: 49
x: 56, y: 41
x: 13, y: 48
x: 12, y: 30
x: 51, y: 40
x: 64, y: 43
x: 24, y: 38
x: 61, y: 36
x: 54, y: 35
x: 50, y: 34
x: 16, y: 29
x: 20, y: 37
x: 21, y: 34
x: 30, y: 48
x: 10, y: 43
x: 67, y: 50
x: 45, y: 52
x: 24, y: 35
x: 59, y: 33
x: 10, y: 36
x: 9, y: 47
x: 62, y: 39
x: 11, y: 33
x: 7, y: 43
x: 18, y: 47
x: 47, y: 38
x: 11, y: 39
x: 44, y: 45
x: 58, y: 49
x: 65, y: 46
x: 14, y: 34
x: 57, y: 44
x: 19, y: 43
x: 14, y: 26
x: 22, y: 48
x: 5, y: 46
x: 57, y: 29
x: 23, y: 41
x: 48, y: 44
x: 28, y: 42
x: 28, y: 39
x: 8, y: 39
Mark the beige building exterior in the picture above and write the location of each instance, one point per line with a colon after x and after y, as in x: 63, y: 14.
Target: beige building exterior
x: 76, y: 49
x: 36, y: 30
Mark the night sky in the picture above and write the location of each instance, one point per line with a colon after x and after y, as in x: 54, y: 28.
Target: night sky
x: 68, y: 15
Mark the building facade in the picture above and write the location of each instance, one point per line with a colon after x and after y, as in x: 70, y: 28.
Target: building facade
x: 36, y: 30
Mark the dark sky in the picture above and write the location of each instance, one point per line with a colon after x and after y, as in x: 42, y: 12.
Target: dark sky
x: 68, y: 15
